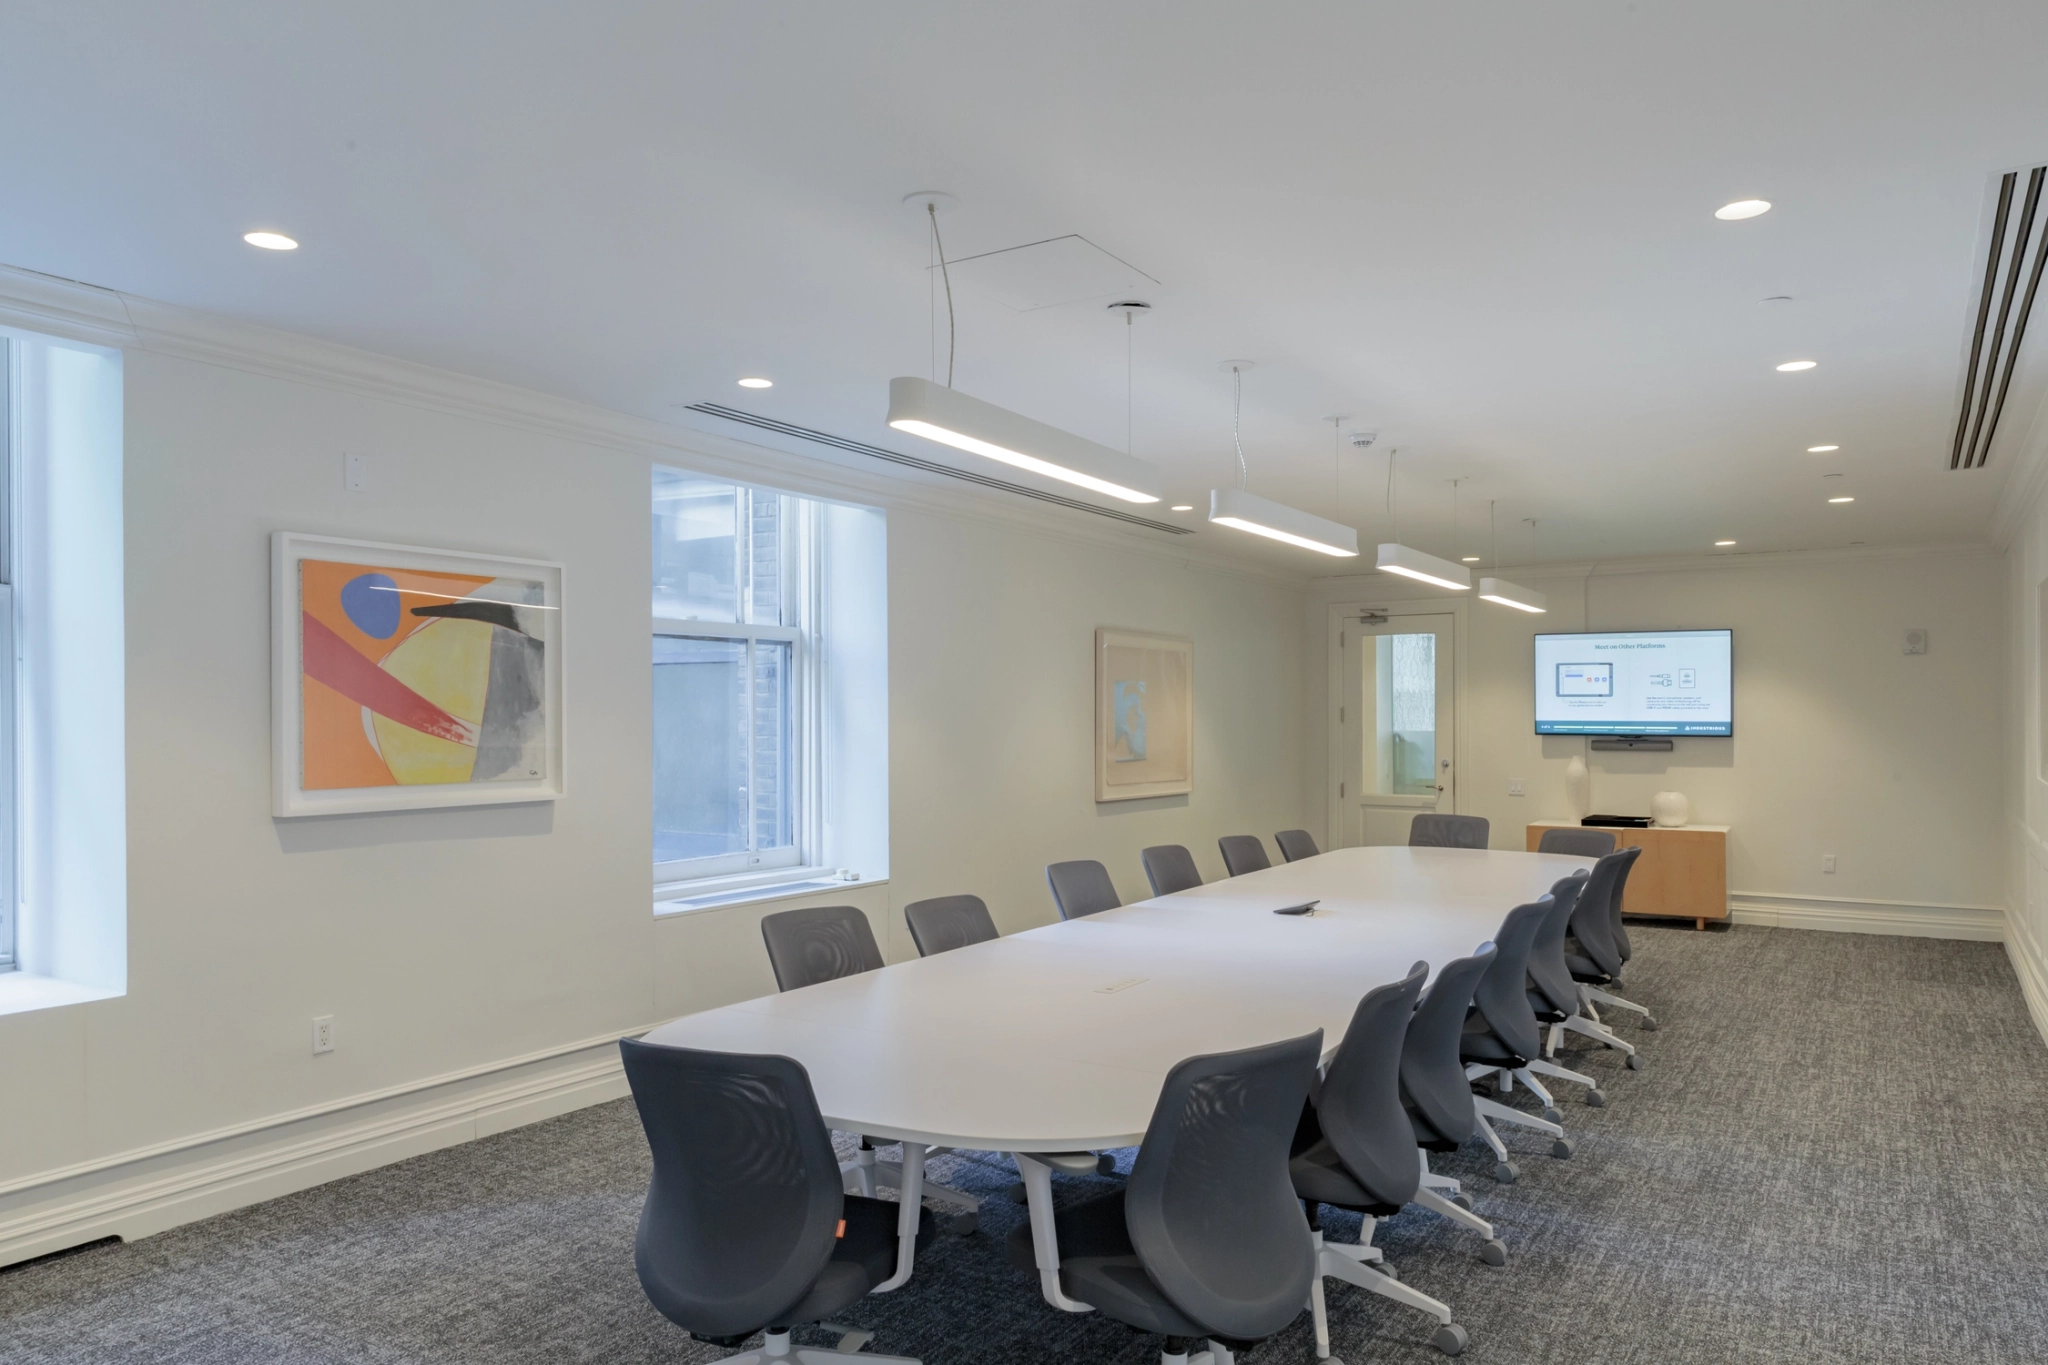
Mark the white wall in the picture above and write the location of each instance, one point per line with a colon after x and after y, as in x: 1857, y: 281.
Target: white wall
x: 480, y: 963
x: 1844, y: 744
x: 2024, y: 851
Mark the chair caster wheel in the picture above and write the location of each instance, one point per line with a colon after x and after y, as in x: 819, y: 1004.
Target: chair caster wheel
x: 1553, y: 1113
x: 1462, y: 1200
x: 1494, y: 1252
x: 1450, y: 1339
x: 1105, y: 1164
x: 1385, y: 1268
x: 963, y: 1224
x: 1649, y: 1024
x: 1596, y: 1098
x: 1562, y: 1148
x: 1635, y: 1061
x: 1505, y: 1173
x: 1017, y: 1193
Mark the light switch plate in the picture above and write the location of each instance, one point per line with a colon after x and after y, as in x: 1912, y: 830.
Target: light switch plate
x: 1827, y: 862
x: 1515, y: 787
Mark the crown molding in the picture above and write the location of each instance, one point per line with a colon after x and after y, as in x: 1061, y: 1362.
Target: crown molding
x: 69, y: 309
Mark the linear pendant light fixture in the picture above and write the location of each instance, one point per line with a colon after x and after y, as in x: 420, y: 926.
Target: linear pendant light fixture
x: 1502, y: 592
x: 1245, y: 511
x: 940, y: 412
x: 1396, y: 558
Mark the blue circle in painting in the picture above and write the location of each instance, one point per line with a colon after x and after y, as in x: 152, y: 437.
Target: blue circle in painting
x: 371, y: 601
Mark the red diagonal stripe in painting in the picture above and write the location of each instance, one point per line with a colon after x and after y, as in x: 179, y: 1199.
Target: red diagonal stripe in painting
x: 332, y: 660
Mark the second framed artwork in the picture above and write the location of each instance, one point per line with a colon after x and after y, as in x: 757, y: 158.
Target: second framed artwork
x: 1144, y: 715
x: 406, y: 678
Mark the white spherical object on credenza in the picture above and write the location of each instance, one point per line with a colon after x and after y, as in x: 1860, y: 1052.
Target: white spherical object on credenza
x: 1670, y: 809
x: 1578, y: 787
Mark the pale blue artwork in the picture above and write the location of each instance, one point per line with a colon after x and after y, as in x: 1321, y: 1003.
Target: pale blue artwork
x: 1130, y: 720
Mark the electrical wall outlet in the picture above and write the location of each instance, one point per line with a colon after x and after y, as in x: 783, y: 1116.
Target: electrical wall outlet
x: 323, y: 1034
x: 1827, y: 862
x: 1515, y: 787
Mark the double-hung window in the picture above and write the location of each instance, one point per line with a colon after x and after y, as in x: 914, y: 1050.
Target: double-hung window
x: 735, y: 680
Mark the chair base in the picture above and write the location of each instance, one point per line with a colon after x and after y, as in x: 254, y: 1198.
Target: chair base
x: 867, y: 1171
x: 1430, y: 1196
x: 1217, y: 1354
x: 776, y: 1346
x: 1350, y: 1263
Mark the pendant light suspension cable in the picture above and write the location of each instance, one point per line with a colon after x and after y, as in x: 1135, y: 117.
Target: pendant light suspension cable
x: 1393, y: 522
x: 1493, y: 534
x: 1130, y: 369
x: 952, y: 328
x: 1237, y: 421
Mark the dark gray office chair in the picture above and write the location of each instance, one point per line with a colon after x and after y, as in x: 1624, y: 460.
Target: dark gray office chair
x: 1243, y: 853
x: 1170, y: 868
x: 1501, y: 1036
x: 1355, y: 1149
x: 1430, y: 830
x: 943, y: 923
x: 1579, y: 843
x: 1206, y: 1239
x: 1437, y: 1095
x: 1553, y: 992
x: 1296, y: 844
x: 1081, y: 888
x: 745, y: 1228
x: 1595, y: 951
x: 822, y: 943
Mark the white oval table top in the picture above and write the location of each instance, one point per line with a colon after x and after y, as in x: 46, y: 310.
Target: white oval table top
x: 1058, y: 1038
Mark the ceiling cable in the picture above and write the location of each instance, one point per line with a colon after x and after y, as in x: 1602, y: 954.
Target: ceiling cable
x: 952, y: 330
x: 1130, y: 315
x: 1493, y: 534
x: 1236, y: 421
x: 1393, y: 522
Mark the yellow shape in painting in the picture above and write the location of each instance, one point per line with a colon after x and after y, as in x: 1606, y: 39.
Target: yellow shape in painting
x: 449, y: 663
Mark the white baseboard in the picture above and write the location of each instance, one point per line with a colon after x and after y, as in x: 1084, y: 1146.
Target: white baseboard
x: 138, y: 1193
x: 1984, y: 923
x: 2031, y: 966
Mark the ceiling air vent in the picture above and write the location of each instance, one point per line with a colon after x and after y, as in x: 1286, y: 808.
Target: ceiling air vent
x: 754, y: 419
x: 2019, y: 244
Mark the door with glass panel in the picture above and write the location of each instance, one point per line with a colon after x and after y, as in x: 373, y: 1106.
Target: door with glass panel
x: 1394, y: 725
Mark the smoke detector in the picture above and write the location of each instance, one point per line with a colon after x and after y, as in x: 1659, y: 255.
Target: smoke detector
x: 1361, y: 439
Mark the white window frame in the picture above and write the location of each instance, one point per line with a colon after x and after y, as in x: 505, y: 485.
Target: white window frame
x: 768, y: 866
x: 10, y: 798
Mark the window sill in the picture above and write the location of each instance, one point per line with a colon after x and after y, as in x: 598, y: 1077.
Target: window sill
x: 722, y: 894
x: 21, y: 992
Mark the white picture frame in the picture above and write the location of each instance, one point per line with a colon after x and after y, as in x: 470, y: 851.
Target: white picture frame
x: 1144, y: 715
x: 532, y: 757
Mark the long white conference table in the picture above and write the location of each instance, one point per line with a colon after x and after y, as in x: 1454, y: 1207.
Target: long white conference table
x: 1058, y: 1039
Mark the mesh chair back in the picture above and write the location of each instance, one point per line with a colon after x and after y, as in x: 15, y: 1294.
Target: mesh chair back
x: 1360, y: 1108
x: 1081, y: 888
x: 1243, y: 853
x: 1296, y: 844
x: 1432, y: 1073
x: 1209, y: 1205
x: 944, y: 923
x: 1548, y: 972
x: 1170, y: 868
x: 745, y: 1201
x: 1616, y: 928
x: 1593, y: 918
x: 1447, y: 831
x: 823, y: 943
x: 1502, y: 996
x: 1579, y: 843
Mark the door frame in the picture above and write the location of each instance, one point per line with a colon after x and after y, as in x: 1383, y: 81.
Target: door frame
x: 1342, y: 616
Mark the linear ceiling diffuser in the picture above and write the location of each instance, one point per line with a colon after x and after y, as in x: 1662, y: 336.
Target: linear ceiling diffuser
x: 952, y: 418
x: 1988, y: 374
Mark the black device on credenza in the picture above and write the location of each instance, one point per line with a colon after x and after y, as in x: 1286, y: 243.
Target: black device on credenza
x: 1617, y: 821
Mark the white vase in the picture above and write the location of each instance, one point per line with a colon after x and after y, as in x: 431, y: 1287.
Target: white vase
x: 1578, y: 787
x: 1670, y: 809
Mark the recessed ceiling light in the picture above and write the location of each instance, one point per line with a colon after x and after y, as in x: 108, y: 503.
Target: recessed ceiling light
x: 1820, y: 450
x: 270, y: 241
x: 1742, y: 208
x: 1723, y: 542
x: 1845, y: 499
x: 754, y: 381
x: 1183, y: 507
x: 1791, y: 365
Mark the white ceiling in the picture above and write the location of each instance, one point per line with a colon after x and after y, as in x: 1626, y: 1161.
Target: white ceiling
x: 1483, y: 229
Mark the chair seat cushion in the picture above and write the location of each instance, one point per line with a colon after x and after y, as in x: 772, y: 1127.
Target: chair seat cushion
x: 1099, y: 1266
x: 1585, y: 969
x: 1478, y: 1044
x: 1319, y: 1175
x: 1427, y: 1137
x: 861, y: 1259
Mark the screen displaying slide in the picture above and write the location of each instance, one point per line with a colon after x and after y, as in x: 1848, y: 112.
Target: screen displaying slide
x: 1649, y: 682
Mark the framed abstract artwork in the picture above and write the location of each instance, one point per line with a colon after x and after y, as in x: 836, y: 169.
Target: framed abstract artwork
x: 1144, y: 715
x: 406, y: 678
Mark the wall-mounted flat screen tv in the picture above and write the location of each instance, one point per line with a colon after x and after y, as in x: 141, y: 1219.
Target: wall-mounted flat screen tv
x: 1636, y: 682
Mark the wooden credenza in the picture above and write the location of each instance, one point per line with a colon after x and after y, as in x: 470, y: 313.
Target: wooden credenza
x: 1683, y: 872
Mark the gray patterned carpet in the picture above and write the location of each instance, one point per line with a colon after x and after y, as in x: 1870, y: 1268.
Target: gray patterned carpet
x: 1836, y: 1154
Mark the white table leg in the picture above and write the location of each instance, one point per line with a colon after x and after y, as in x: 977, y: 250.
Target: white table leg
x: 1045, y: 1247
x: 912, y: 1195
